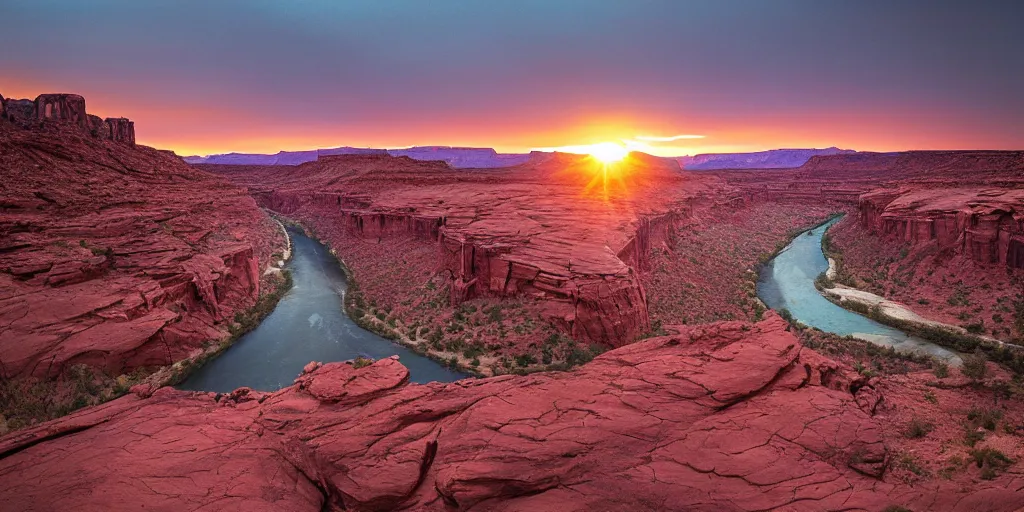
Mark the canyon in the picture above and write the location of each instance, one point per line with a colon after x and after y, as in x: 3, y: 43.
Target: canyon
x: 114, y: 255
x: 610, y: 308
x: 514, y: 233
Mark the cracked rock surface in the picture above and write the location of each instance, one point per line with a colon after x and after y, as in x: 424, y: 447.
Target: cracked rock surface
x: 728, y: 416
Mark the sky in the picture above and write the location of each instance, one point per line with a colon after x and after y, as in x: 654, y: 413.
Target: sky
x: 202, y: 77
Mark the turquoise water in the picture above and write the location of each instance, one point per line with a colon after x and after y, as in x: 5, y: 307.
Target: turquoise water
x: 308, y: 324
x: 788, y: 282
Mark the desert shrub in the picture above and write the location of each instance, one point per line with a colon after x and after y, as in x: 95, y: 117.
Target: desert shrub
x: 929, y: 396
x: 972, y: 436
x: 495, y: 314
x: 974, y: 366
x: 524, y: 360
x: 976, y: 327
x: 918, y: 428
x: 959, y: 298
x: 940, y: 369
x: 577, y: 355
x: 786, y: 315
x: 991, y: 461
x: 985, y: 418
x: 361, y: 362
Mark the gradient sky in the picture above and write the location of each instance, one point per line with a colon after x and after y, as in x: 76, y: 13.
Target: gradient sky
x: 205, y: 77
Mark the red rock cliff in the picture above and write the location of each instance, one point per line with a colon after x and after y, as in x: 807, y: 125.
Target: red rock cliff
x: 112, y: 254
x: 549, y: 229
x: 67, y: 110
x: 984, y: 224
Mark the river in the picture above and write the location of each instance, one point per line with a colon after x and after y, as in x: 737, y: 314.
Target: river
x: 308, y: 324
x: 788, y: 282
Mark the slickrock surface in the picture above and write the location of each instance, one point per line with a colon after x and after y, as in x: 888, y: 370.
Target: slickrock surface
x: 561, y: 228
x: 111, y: 254
x: 721, y: 417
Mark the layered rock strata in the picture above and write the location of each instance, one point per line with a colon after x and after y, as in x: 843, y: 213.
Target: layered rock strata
x: 561, y: 228
x: 984, y: 224
x: 114, y: 255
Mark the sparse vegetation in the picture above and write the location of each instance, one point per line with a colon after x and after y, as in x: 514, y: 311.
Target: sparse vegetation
x: 974, y: 366
x: 991, y: 461
x: 918, y: 428
x: 361, y: 362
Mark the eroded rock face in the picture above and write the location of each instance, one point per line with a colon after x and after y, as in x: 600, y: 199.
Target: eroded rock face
x: 560, y: 228
x: 721, y: 417
x: 114, y: 255
x: 120, y: 129
x: 984, y: 224
x: 67, y: 110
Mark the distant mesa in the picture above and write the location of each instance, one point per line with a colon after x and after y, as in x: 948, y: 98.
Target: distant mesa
x: 456, y: 157
x: 65, y: 110
x: 772, y: 159
x: 488, y: 158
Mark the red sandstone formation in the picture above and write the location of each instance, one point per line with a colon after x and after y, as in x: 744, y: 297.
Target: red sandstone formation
x: 984, y: 224
x: 114, y: 255
x: 720, y: 417
x: 67, y: 110
x: 560, y: 228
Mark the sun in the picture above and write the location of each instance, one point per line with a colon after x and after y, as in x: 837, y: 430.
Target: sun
x: 607, y: 152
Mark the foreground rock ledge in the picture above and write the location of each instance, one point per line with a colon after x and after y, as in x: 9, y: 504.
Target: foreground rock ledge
x: 730, y: 416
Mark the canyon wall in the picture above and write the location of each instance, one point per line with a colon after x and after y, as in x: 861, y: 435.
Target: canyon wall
x: 114, y: 255
x: 531, y: 231
x: 984, y: 224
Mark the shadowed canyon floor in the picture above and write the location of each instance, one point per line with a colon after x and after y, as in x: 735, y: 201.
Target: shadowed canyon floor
x: 722, y: 417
